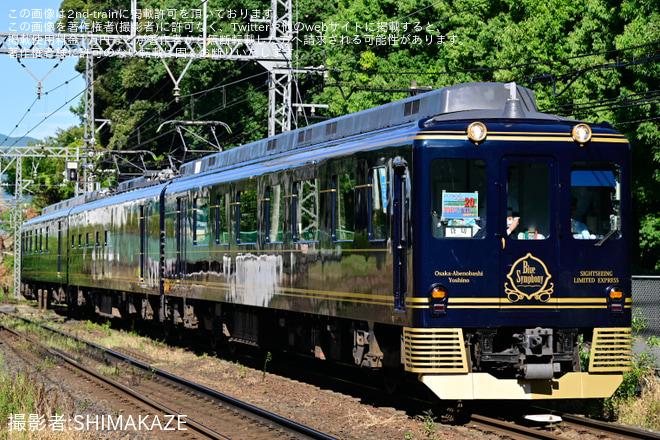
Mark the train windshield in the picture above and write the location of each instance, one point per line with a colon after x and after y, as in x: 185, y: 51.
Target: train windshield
x: 458, y: 198
x: 528, y: 200
x: 595, y: 200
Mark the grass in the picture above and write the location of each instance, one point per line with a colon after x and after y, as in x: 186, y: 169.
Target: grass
x: 642, y: 409
x: 22, y: 397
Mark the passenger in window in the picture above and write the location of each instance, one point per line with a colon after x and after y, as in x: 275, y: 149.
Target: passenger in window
x: 481, y: 224
x: 512, y: 221
x: 578, y: 229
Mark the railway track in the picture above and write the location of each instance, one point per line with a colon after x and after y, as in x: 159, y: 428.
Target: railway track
x: 159, y: 386
x: 209, y: 413
x: 570, y: 427
x: 606, y: 430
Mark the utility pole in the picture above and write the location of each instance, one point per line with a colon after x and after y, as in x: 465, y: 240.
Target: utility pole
x: 90, y: 140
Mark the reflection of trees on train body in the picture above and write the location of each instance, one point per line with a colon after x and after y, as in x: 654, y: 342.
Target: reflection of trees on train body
x: 345, y: 207
x: 307, y: 226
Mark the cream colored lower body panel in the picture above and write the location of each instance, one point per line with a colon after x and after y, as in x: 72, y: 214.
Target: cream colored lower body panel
x: 472, y: 386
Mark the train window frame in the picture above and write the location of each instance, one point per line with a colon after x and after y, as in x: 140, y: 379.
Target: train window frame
x: 269, y: 214
x: 250, y: 216
x: 197, y: 208
x: 221, y: 228
x: 463, y: 195
x: 299, y: 205
x: 80, y: 242
x: 594, y: 181
x: 73, y: 241
x: 47, y: 236
x: 376, y: 182
x: 337, y: 212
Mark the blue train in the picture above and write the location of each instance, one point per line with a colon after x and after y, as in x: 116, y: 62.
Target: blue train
x: 459, y: 236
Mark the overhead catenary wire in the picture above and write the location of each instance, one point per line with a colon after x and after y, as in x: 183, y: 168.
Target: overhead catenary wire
x: 49, y: 115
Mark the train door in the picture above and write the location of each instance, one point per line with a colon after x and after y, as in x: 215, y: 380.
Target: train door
x: 400, y: 241
x: 181, y: 240
x: 529, y: 254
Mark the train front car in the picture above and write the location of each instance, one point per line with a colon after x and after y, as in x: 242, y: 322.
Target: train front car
x: 522, y: 251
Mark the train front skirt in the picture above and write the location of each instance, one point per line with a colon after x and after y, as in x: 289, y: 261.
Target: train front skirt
x: 472, y: 386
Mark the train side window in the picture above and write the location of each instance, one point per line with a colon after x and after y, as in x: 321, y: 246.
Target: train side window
x: 458, y: 198
x: 595, y: 206
x: 379, y: 193
x: 343, y: 203
x: 80, y: 241
x: 105, y: 238
x: 306, y: 210
x: 247, y: 216
x: 97, y: 242
x: 73, y: 241
x: 275, y: 217
x: 87, y: 239
x: 47, y: 234
x: 200, y: 222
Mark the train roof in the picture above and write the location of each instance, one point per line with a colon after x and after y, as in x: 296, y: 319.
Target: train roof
x: 129, y: 185
x: 461, y: 101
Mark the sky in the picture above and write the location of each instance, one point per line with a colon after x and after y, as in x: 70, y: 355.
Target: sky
x: 19, y: 88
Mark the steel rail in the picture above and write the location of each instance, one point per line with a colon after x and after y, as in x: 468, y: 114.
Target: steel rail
x: 620, y: 431
x: 507, y: 428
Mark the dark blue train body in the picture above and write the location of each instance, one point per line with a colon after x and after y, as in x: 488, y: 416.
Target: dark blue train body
x: 458, y: 235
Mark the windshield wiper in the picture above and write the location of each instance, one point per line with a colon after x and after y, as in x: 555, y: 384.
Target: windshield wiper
x: 607, y: 237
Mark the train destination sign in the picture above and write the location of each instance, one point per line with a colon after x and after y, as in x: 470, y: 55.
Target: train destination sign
x: 460, y: 205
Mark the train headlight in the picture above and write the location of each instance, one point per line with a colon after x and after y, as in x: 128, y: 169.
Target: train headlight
x: 581, y: 134
x: 438, y: 300
x: 477, y: 132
